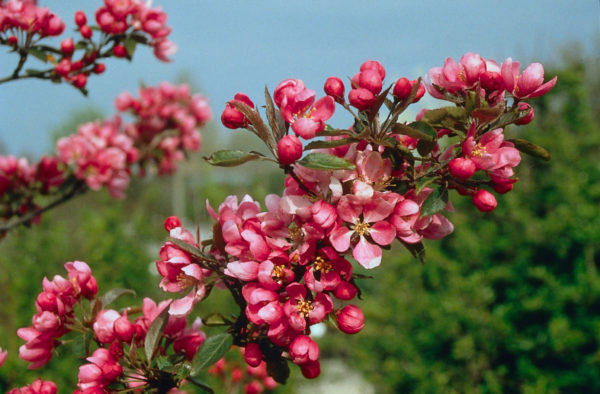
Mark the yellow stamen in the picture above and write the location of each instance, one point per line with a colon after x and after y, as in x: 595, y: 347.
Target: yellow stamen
x: 321, y: 265
x: 278, y: 272
x: 361, y: 228
x: 478, y: 150
x: 304, y: 307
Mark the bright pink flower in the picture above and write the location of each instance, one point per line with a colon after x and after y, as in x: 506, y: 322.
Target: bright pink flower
x: 300, y: 310
x: 190, y: 340
x: 373, y: 65
x: 287, y: 89
x: 164, y: 49
x: 527, y: 110
x: 104, y: 325
x: 490, y: 152
x: 37, y: 387
x: 361, y: 98
x: 462, y: 168
x: 303, y: 350
x: 528, y: 84
x: 263, y: 305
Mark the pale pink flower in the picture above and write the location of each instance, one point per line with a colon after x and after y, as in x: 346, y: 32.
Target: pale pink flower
x: 528, y: 84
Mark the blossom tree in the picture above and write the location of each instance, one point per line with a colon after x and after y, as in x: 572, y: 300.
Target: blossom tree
x: 350, y: 192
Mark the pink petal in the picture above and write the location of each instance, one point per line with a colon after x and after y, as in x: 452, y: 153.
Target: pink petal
x: 340, y: 238
x: 246, y: 271
x: 383, y: 233
x: 367, y: 255
x: 323, y: 109
x: 307, y: 128
x: 183, y: 306
x: 545, y: 88
x: 531, y: 78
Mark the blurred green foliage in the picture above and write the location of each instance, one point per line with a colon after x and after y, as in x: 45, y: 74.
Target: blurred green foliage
x: 508, y: 303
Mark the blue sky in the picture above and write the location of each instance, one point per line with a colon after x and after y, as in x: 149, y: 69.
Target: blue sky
x: 229, y: 46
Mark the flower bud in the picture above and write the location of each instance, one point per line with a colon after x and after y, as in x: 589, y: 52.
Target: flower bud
x: 371, y: 80
x: 254, y: 387
x: 289, y: 149
x: 484, y: 200
x: 124, y: 329
x: 402, y: 88
x: 47, y: 301
x: 345, y: 291
x: 63, y: 68
x: 232, y: 118
x: 236, y: 375
x: 462, y: 168
x: 79, y: 81
x: 119, y: 51
x: 13, y: 40
x: 67, y: 47
x: 334, y: 87
x: 311, y: 369
x: 86, y: 32
x: 373, y: 65
x: 252, y: 354
x: 99, y: 68
x: 172, y: 222
x: 523, y: 106
x: 350, y: 319
x: 80, y: 18
x: 361, y: 98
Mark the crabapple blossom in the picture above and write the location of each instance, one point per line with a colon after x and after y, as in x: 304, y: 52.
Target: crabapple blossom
x: 484, y: 200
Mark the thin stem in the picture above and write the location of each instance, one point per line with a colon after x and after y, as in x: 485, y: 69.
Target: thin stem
x: 289, y: 170
x: 79, y: 187
x: 201, y: 385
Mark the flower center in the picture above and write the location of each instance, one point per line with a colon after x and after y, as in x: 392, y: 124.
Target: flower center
x: 304, y: 307
x: 478, y: 150
x: 278, y: 272
x: 296, y: 234
x: 185, y: 281
x: 321, y: 265
x: 361, y: 228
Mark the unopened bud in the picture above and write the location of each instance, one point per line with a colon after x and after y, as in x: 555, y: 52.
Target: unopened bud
x: 289, y: 149
x: 484, y: 200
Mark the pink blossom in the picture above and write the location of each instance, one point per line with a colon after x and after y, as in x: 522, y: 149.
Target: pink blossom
x: 350, y: 319
x: 528, y: 84
x: 3, y: 355
x: 300, y: 310
x: 303, y: 350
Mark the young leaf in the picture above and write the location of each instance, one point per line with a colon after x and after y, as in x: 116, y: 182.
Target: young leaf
x: 530, y: 148
x: 278, y: 132
x: 323, y: 161
x: 487, y: 115
x: 438, y: 115
x: 329, y: 144
x: 113, y: 294
x: 81, y: 344
x: 259, y: 125
x: 414, y: 132
x: 130, y: 45
x: 231, y: 158
x: 211, y: 351
x: 154, y: 332
x: 32, y: 71
x: 38, y: 53
x: 435, y: 202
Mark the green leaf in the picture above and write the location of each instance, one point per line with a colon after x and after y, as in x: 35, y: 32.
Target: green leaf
x: 130, y: 44
x: 163, y: 362
x: 231, y: 158
x: 38, y: 53
x: 330, y: 132
x: 438, y: 115
x: 32, y: 71
x: 211, y: 351
x: 329, y: 144
x: 414, y: 132
x: 81, y: 344
x: 274, y: 117
x: 435, y: 202
x: 215, y: 319
x: 113, y: 294
x: 278, y: 369
x: 530, y: 148
x: 155, y: 332
x: 323, y: 161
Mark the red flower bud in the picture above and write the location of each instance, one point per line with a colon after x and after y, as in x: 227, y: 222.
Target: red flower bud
x: 236, y: 375
x: 334, y: 87
x: 402, y: 88
x: 99, y: 68
x: 67, y: 47
x: 361, y: 98
x: 289, y: 149
x: 231, y: 117
x: 523, y: 106
x: 80, y: 18
x: 350, y: 319
x: 79, y: 81
x: 462, y: 168
x: 63, y: 68
x: 252, y: 354
x: 373, y: 65
x: 484, y: 200
x: 13, y: 40
x: 311, y: 369
x: 172, y: 222
x: 85, y: 31
x: 371, y: 80
x: 253, y: 387
x: 119, y: 51
x: 124, y: 329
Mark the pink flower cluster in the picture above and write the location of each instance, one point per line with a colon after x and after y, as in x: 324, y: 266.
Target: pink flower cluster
x: 38, y: 387
x: 25, y: 15
x: 473, y: 71
x: 55, y: 312
x: 99, y: 154
x: 253, y: 378
x: 115, y: 330
x: 167, y: 121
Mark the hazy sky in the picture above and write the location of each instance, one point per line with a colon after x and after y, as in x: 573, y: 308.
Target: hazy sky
x: 231, y: 46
